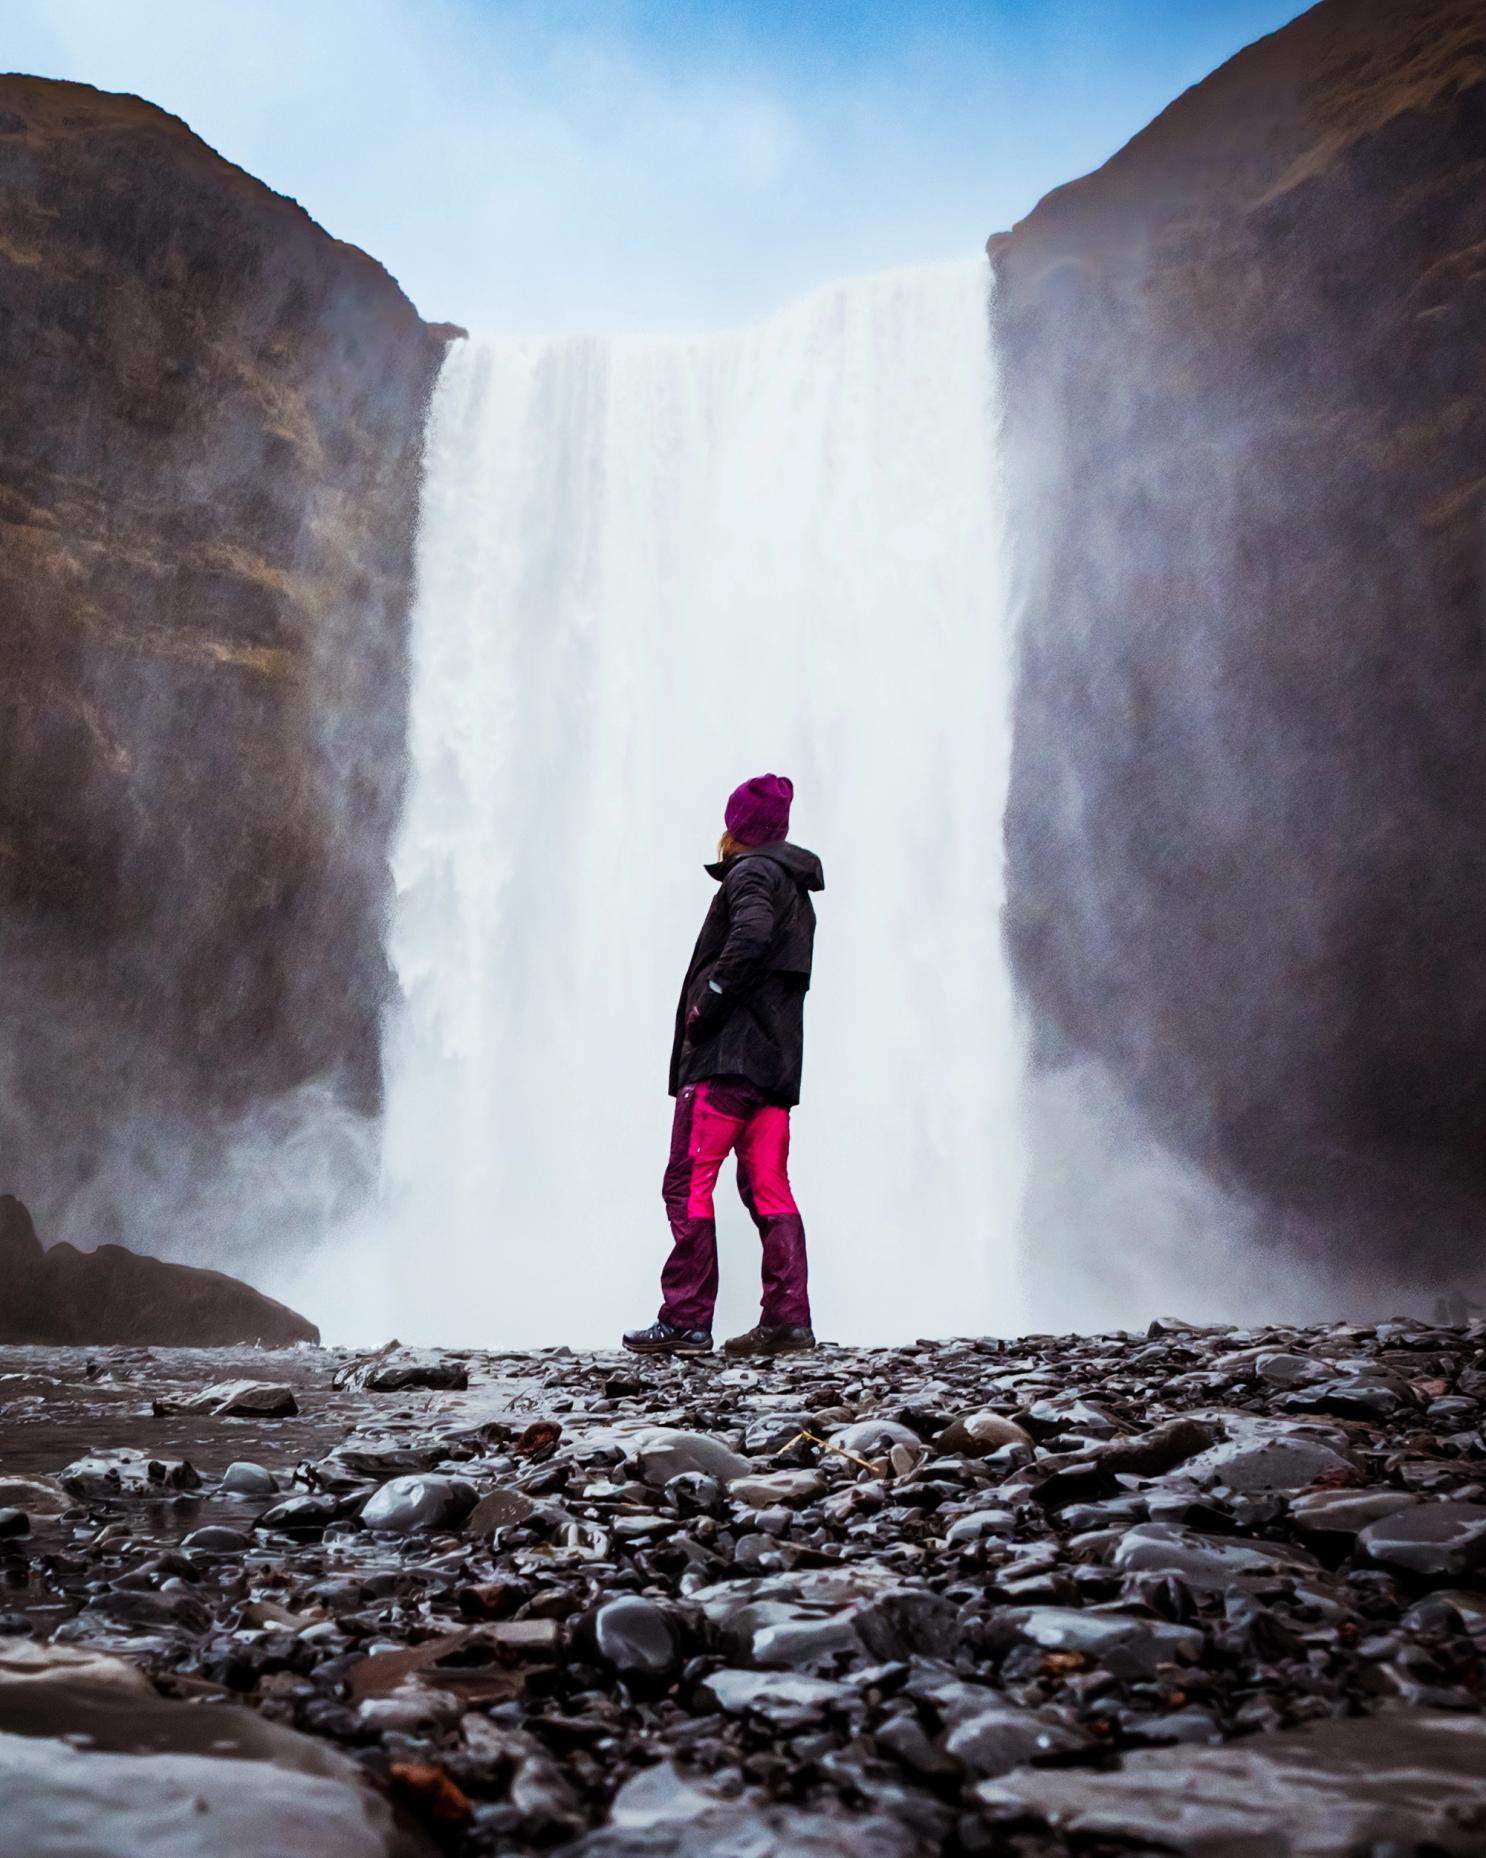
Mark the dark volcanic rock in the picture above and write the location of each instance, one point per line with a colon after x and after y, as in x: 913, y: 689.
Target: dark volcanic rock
x: 1429, y: 1538
x: 1272, y: 1462
x: 1205, y: 1561
x: 1244, y: 439
x: 999, y: 1739
x: 122, y: 1471
x: 63, y: 1296
x: 397, y: 1370
x: 635, y: 1638
x: 92, y: 1765
x: 237, y: 1399
x: 1394, y: 1784
x: 210, y: 433
x: 758, y: 1832
x: 422, y: 1501
x: 915, y: 1648
x: 665, y: 1454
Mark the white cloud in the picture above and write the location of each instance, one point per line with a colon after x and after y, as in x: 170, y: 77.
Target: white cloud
x: 551, y: 166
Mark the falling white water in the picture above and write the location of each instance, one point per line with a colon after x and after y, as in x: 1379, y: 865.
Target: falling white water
x: 648, y: 569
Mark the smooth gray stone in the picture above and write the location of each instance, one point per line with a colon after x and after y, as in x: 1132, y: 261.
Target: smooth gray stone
x: 1431, y: 1538
x: 26, y: 1665
x: 665, y: 1453
x: 384, y: 1458
x: 804, y: 1644
x: 217, y: 1539
x: 784, y: 1698
x: 1282, y: 1369
x: 37, y: 1496
x: 635, y: 1638
x: 157, y: 1777
x: 1470, y: 1606
x: 1279, y: 1462
x: 1161, y: 1449
x: 244, y: 1399
x: 1354, y: 1398
x: 978, y: 1433
x: 1123, y: 1641
x: 1396, y: 1783
x: 875, y: 1438
x: 1205, y: 1561
x: 978, y: 1525
x: 498, y: 1509
x: 1102, y: 1515
x: 774, y: 1431
x: 763, y: 1490
x: 425, y: 1500
x: 1345, y: 1512
x: 128, y: 1473
x: 750, y: 1829
x: 246, y: 1479
x: 1001, y: 1739
x: 1072, y: 1413
x: 660, y: 1795
x: 313, y: 1510
x: 402, y: 1370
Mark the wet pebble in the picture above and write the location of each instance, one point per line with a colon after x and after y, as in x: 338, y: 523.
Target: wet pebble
x: 664, y: 1453
x: 636, y: 1639
x: 1429, y: 1539
x: 242, y: 1478
x: 426, y: 1501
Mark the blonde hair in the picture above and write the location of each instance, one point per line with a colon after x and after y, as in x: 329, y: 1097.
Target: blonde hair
x: 729, y: 847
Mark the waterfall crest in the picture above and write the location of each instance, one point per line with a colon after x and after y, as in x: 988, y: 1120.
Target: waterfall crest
x: 649, y: 568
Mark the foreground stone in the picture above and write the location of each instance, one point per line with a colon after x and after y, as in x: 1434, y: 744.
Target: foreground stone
x: 1405, y: 1782
x: 1059, y: 1597
x: 93, y: 1765
x: 237, y: 1400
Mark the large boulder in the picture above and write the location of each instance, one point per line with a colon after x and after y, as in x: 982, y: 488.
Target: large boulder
x: 94, y: 1765
x: 1245, y: 431
x: 63, y: 1296
x: 1410, y: 1781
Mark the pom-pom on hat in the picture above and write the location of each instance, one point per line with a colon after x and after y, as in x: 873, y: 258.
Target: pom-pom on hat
x: 758, y: 811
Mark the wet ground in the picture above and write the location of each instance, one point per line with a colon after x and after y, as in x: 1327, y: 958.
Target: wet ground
x: 1199, y: 1590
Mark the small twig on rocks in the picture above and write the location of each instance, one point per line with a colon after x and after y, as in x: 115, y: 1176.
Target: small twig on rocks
x: 826, y: 1446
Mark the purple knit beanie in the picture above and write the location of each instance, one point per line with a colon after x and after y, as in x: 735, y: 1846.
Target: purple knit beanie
x: 758, y: 811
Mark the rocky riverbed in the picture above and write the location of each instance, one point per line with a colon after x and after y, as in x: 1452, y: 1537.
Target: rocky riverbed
x: 1204, y: 1591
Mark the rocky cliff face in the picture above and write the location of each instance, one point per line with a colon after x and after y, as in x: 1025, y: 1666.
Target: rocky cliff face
x: 210, y: 424
x: 1246, y: 444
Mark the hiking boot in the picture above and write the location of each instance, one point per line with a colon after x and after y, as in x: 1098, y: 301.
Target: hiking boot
x: 667, y: 1339
x: 771, y: 1339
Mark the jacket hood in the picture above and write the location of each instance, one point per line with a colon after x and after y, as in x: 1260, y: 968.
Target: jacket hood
x: 803, y: 866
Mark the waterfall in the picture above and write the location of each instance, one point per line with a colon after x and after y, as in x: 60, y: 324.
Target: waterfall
x: 647, y: 569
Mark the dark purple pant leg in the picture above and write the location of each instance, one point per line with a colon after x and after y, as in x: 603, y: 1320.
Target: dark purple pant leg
x: 711, y: 1118
x: 701, y: 1137
x: 763, y: 1181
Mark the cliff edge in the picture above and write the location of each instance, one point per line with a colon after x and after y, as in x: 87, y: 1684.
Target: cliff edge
x: 1246, y: 451
x: 210, y: 430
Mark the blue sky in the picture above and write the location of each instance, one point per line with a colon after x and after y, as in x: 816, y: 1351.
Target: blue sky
x: 661, y: 164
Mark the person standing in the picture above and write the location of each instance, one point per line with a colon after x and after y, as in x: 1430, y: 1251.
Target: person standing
x: 735, y: 1074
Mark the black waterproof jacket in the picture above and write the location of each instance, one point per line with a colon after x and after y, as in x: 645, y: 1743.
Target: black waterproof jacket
x: 756, y: 945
